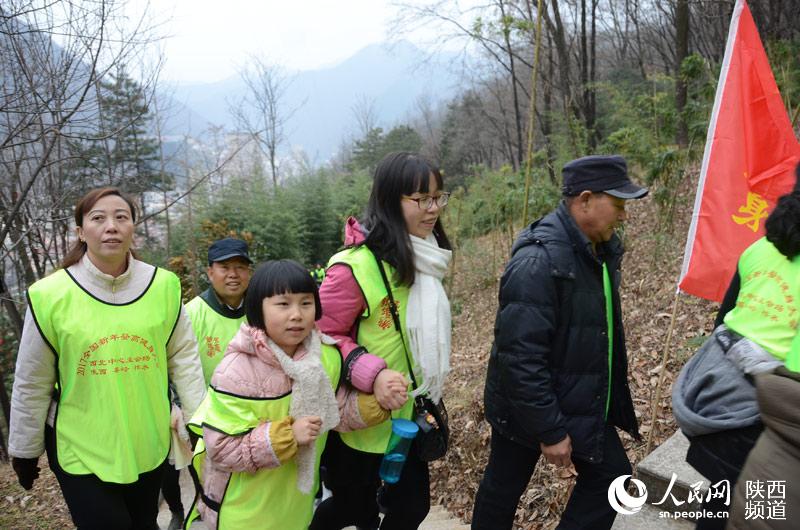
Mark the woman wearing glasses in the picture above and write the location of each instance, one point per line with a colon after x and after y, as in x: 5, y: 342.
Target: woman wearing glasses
x: 401, y: 233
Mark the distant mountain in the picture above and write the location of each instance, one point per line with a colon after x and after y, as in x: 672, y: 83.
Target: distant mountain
x: 394, y: 77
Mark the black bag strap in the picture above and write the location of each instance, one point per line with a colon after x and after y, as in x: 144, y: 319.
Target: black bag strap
x: 395, y: 316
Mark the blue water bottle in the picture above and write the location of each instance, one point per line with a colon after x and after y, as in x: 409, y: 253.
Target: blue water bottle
x: 403, y: 432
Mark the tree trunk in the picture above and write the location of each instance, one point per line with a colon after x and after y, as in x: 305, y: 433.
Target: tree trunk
x: 681, y: 52
x: 547, y: 119
x: 192, y: 242
x: 167, y: 243
x: 585, y: 97
x: 517, y: 114
x: 10, y: 306
x: 16, y: 320
x: 144, y: 216
x: 273, y: 168
x: 591, y: 105
x: 571, y: 110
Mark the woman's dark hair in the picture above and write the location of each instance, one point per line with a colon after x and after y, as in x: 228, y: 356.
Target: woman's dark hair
x: 398, y: 174
x: 85, y: 205
x: 273, y: 278
x: 783, y: 225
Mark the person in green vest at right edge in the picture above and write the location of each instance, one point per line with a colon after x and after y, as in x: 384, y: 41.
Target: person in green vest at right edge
x: 218, y: 312
x: 714, y: 399
x: 773, y: 466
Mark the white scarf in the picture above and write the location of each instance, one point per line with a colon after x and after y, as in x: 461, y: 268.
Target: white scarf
x: 428, y: 316
x: 312, y: 395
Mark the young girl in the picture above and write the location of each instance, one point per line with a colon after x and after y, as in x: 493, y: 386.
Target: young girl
x: 272, y: 400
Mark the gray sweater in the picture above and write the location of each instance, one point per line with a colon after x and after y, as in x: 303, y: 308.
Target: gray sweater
x: 712, y: 392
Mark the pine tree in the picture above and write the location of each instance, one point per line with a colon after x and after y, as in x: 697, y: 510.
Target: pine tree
x: 124, y: 151
x: 130, y: 150
x: 369, y: 151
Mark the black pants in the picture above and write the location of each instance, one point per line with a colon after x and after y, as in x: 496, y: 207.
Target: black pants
x: 352, y: 477
x: 510, y: 468
x: 171, y: 488
x: 94, y: 504
x: 720, y: 456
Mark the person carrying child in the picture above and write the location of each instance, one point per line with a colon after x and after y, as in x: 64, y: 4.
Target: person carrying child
x: 272, y: 400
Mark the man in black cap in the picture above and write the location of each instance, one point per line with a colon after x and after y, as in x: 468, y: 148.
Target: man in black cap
x: 218, y: 312
x: 216, y: 315
x: 557, y: 382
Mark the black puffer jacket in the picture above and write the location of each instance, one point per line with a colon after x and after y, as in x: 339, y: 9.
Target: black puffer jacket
x: 548, y: 371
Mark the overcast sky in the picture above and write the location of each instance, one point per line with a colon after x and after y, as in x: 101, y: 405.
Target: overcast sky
x: 207, y: 40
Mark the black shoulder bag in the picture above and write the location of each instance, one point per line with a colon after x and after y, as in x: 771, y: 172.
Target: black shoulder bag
x: 433, y: 438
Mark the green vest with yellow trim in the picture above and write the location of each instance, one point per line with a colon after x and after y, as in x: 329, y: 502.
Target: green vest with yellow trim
x: 267, y: 499
x: 376, y: 333
x: 768, y: 306
x: 213, y: 332
x: 113, y: 415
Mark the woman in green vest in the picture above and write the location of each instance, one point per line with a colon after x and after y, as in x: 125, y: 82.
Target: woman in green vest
x: 714, y: 397
x: 273, y: 398
x: 401, y: 232
x: 101, y: 336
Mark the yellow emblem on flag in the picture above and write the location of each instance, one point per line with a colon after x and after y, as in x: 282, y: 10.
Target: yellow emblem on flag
x: 754, y: 211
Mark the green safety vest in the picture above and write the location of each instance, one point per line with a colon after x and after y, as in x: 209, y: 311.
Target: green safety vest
x: 768, y: 306
x: 376, y: 333
x: 213, y: 332
x: 113, y: 415
x: 267, y: 499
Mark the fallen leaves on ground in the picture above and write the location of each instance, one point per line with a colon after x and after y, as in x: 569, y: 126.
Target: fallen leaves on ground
x: 41, y: 508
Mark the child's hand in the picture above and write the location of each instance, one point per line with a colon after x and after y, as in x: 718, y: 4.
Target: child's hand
x: 390, y: 389
x: 306, y: 429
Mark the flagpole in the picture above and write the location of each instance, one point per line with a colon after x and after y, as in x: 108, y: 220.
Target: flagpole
x: 660, y: 385
x: 531, y: 114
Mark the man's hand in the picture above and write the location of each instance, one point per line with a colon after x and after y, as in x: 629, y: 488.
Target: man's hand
x: 390, y: 389
x: 27, y: 470
x: 559, y: 454
x: 306, y: 429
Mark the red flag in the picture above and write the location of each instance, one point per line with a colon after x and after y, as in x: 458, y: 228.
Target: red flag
x: 749, y: 161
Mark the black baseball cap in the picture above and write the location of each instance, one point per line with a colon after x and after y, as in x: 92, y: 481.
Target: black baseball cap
x: 600, y: 173
x: 226, y: 249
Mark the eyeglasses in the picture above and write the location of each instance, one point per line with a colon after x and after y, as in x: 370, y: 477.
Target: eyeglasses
x: 426, y: 201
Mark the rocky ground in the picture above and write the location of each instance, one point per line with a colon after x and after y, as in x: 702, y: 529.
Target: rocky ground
x: 650, y: 273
